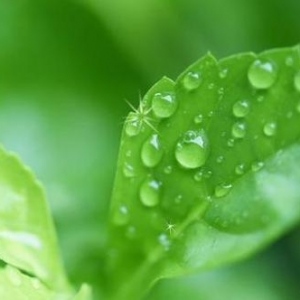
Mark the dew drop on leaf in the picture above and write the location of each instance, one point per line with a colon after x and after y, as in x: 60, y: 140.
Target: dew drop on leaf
x: 192, y: 149
x: 128, y: 170
x: 121, y: 215
x: 168, y: 170
x: 150, y: 192
x: 198, y: 119
x: 240, y: 169
x: 222, y: 190
x: 164, y: 104
x: 241, y: 108
x: 256, y: 166
x: 36, y: 284
x: 238, y: 130
x: 270, y: 129
x: 198, y: 176
x: 152, y: 151
x: 164, y: 241
x: 133, y: 125
x: 230, y: 143
x: 14, y: 276
x: 262, y: 74
x: 220, y: 159
x: 297, y: 81
x: 223, y: 73
x: 192, y: 81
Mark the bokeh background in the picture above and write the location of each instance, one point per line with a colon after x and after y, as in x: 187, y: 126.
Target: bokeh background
x: 66, y: 68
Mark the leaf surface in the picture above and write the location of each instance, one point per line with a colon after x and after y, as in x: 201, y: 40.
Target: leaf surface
x: 207, y: 170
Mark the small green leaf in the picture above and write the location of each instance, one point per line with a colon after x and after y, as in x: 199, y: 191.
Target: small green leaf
x: 27, y: 236
x: 212, y: 180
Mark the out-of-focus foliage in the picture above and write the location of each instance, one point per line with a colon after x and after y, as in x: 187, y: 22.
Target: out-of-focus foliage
x: 65, y: 69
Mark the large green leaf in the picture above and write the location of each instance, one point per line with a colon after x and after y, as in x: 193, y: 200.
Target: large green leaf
x: 207, y: 169
x: 27, y: 237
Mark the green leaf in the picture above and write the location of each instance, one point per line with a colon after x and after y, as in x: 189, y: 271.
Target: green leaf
x: 207, y: 170
x: 19, y: 286
x: 27, y: 236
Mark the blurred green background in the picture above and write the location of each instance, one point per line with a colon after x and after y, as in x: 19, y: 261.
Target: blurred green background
x: 66, y: 68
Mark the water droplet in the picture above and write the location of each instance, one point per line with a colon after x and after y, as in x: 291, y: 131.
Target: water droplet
x: 192, y: 150
x: 222, y: 190
x: 168, y: 170
x: 14, y: 276
x: 128, y: 170
x: 230, y: 143
x: 260, y: 98
x: 270, y: 129
x: 36, y: 284
x: 198, y: 175
x: 240, y: 169
x: 289, y: 61
x: 178, y: 199
x: 297, y: 81
x: 151, y: 151
x: 221, y: 91
x: 131, y: 232
x: 164, y: 241
x: 256, y: 166
x: 211, y: 86
x: 128, y: 153
x: 121, y: 215
x: 262, y: 74
x: 149, y: 192
x: 198, y: 119
x: 220, y: 159
x: 210, y: 114
x: 192, y: 81
x: 238, y: 130
x: 223, y: 73
x: 241, y: 108
x: 133, y: 125
x: 164, y: 104
x: 207, y: 174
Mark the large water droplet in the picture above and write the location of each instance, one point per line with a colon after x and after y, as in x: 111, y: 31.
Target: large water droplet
x: 164, y: 104
x: 192, y: 81
x: 270, y: 129
x: 192, y: 149
x: 262, y: 74
x: 121, y: 215
x: 151, y: 151
x: 241, y: 108
x: 133, y: 125
x: 222, y: 190
x: 150, y: 192
x: 238, y: 130
x: 128, y: 170
x: 297, y: 81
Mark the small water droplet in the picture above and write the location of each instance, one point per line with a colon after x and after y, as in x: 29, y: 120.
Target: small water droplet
x: 220, y: 159
x: 238, y: 130
x: 240, y: 169
x: 198, y: 176
x: 178, y: 199
x: 289, y: 61
x: 192, y: 81
x: 297, y: 81
x: 164, y: 105
x: 36, y: 284
x: 270, y: 129
x: 256, y: 166
x: 241, y: 108
x: 128, y: 170
x: 210, y: 114
x: 168, y: 169
x: 192, y: 149
x: 260, y: 98
x: 121, y: 215
x: 198, y: 119
x: 133, y: 125
x: 207, y: 174
x: 14, y: 276
x: 164, y: 241
x: 221, y: 91
x: 128, y: 153
x: 230, y: 143
x: 151, y: 151
x: 211, y: 86
x: 222, y: 190
x: 223, y: 73
x: 131, y: 232
x: 150, y: 192
x: 262, y: 74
